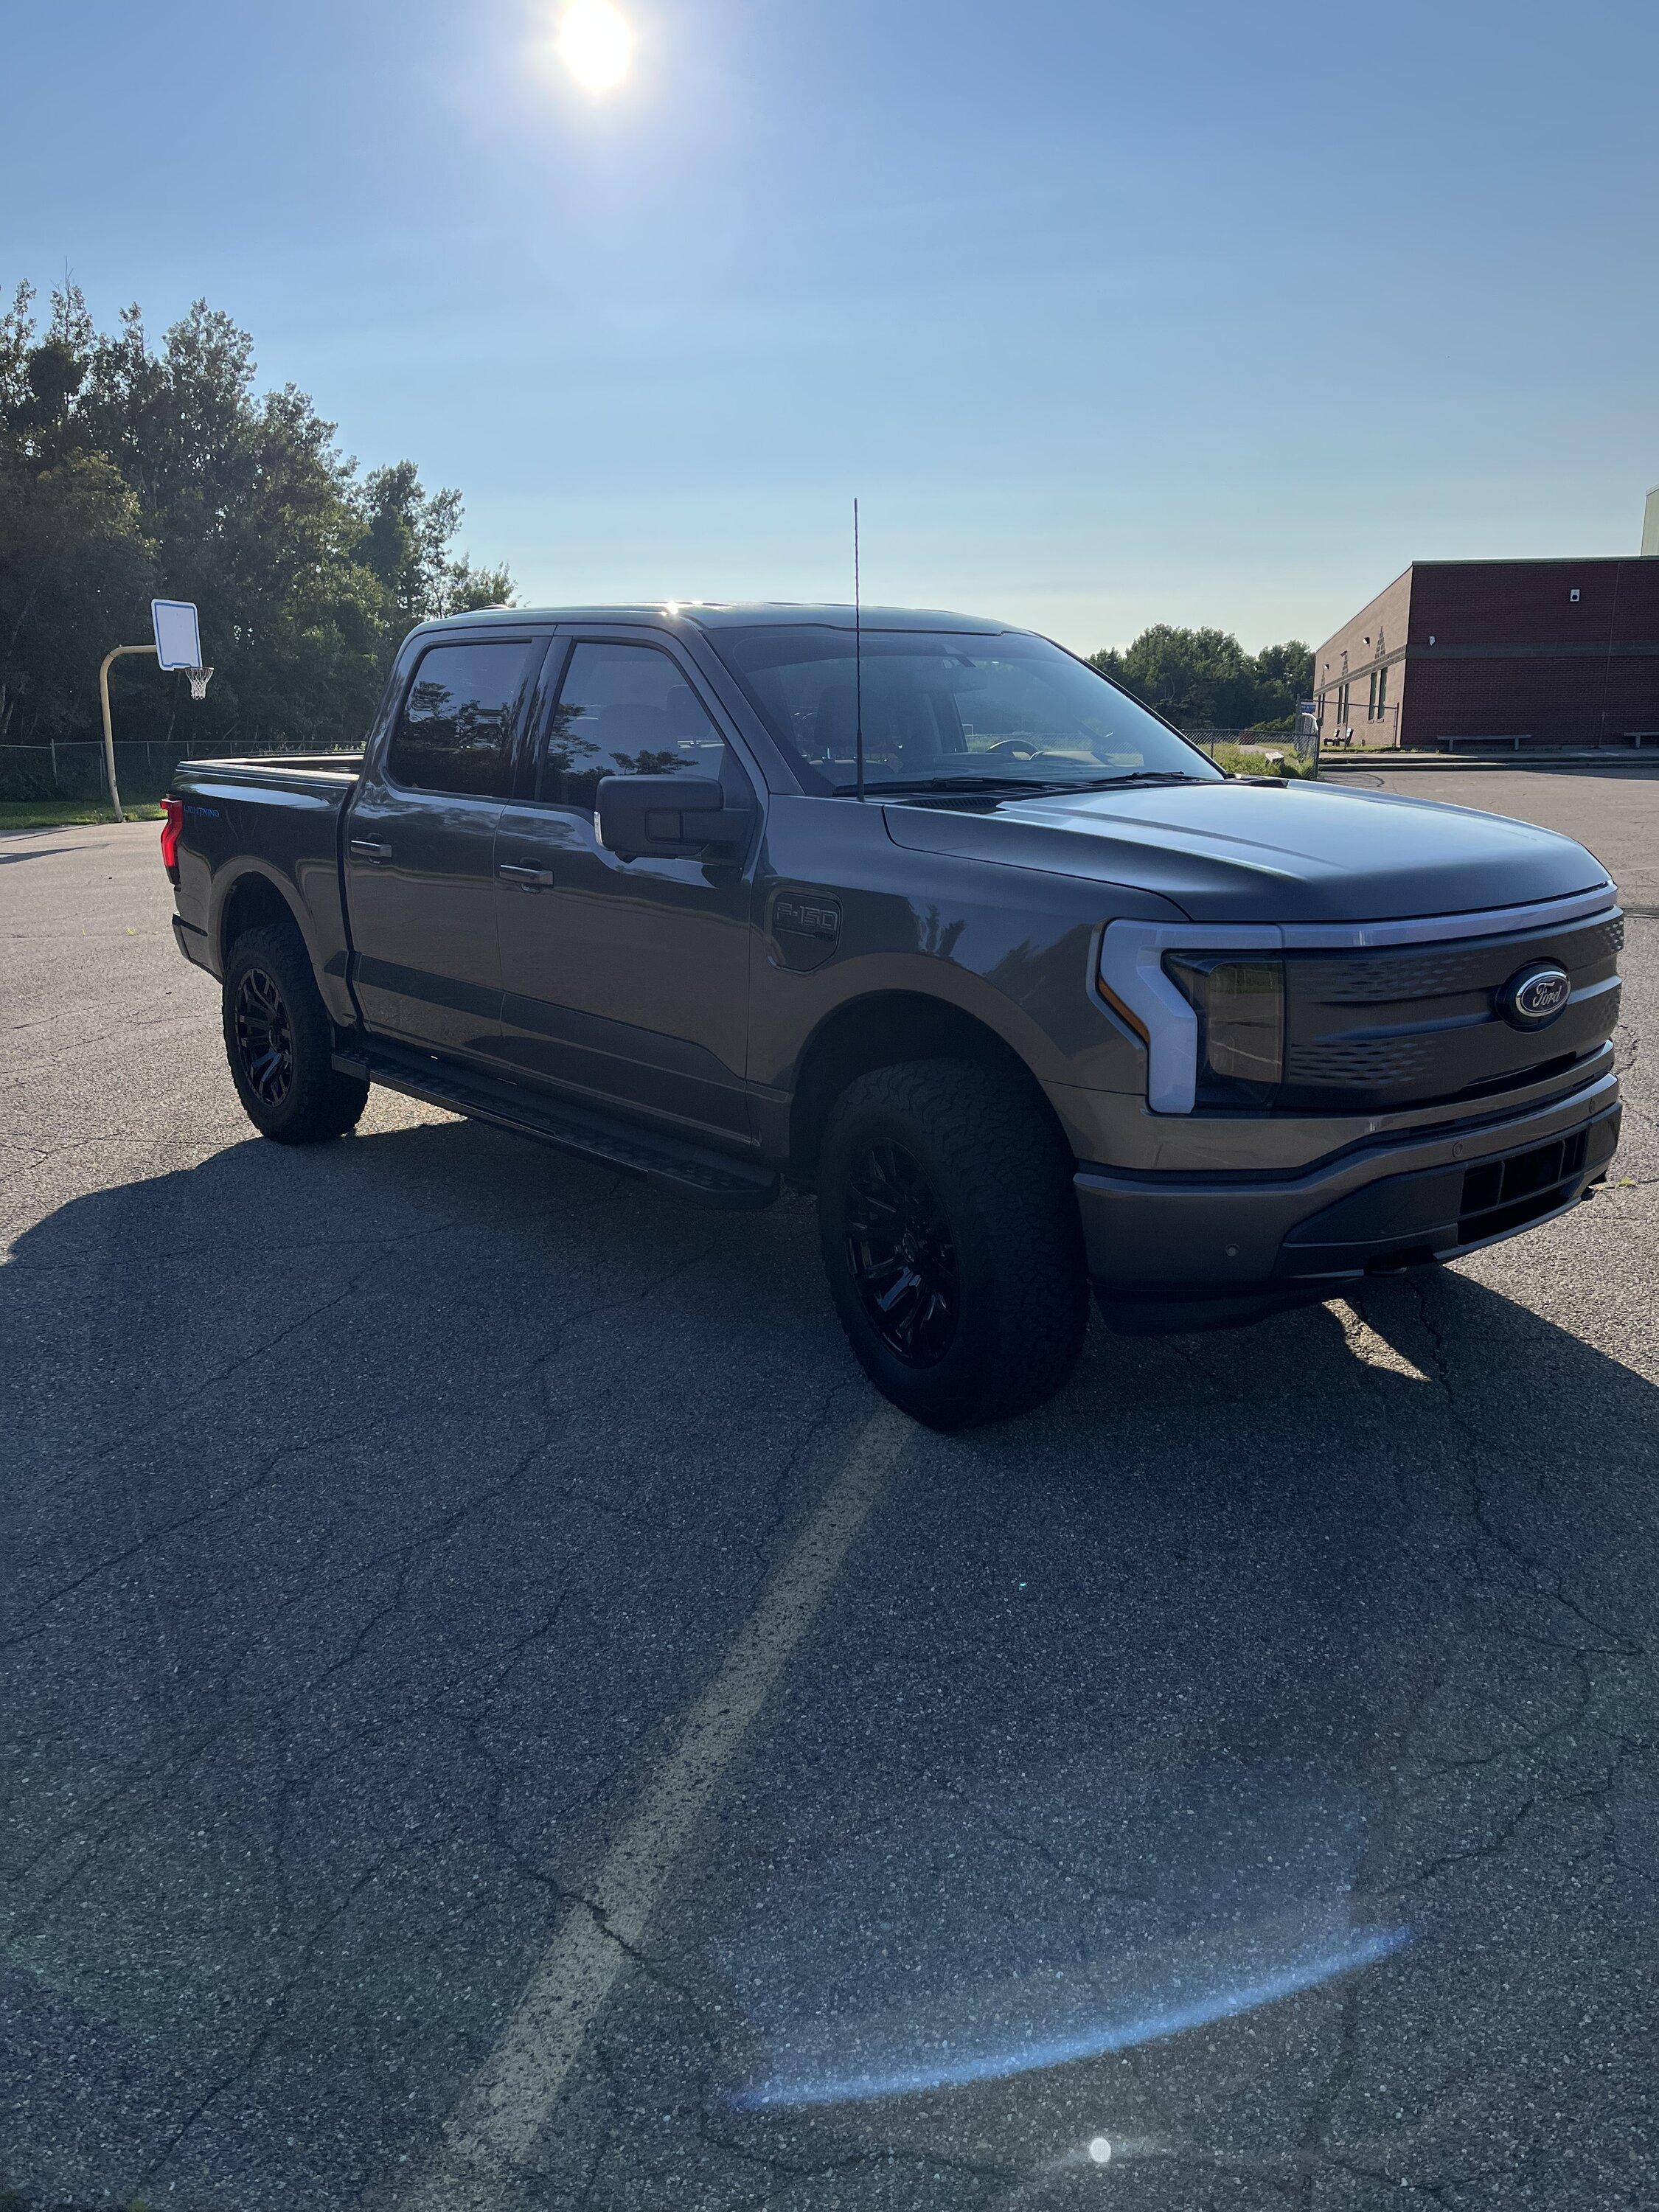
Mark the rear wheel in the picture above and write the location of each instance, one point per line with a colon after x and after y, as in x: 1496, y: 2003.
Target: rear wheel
x: 951, y: 1237
x: 280, y: 1043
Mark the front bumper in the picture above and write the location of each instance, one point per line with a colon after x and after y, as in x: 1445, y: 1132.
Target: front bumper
x: 1175, y: 1251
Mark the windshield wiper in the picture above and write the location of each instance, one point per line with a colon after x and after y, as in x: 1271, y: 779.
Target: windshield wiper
x: 872, y: 789
x: 1153, y: 776
x: 1031, y: 786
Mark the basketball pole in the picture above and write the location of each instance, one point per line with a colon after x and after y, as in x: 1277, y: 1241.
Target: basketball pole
x: 109, y: 732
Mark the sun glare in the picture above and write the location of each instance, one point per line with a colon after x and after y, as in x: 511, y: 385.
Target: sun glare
x: 595, y: 44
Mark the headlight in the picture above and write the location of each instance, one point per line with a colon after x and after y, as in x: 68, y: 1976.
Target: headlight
x: 1207, y: 1000
x: 1240, y: 1005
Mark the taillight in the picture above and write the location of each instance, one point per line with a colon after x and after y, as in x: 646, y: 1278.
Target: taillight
x: 172, y: 821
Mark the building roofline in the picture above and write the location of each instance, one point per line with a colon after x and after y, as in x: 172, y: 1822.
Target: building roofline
x: 1361, y: 611
x: 1528, y: 561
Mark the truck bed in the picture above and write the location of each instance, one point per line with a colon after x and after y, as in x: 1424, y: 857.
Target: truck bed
x: 305, y: 770
x: 260, y: 841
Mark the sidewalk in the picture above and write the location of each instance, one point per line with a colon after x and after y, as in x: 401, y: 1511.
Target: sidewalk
x: 1596, y: 757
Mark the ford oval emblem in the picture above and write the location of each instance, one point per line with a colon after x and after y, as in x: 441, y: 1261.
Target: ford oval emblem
x: 1534, y: 996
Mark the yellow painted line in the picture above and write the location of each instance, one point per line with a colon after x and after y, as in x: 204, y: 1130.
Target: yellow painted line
x: 496, y: 2124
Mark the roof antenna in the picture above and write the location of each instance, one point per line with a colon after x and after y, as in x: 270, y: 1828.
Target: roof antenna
x: 858, y: 657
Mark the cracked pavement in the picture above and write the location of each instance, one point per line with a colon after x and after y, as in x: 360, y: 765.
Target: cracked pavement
x: 1262, y: 1734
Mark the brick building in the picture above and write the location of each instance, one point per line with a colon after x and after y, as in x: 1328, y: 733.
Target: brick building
x: 1553, y: 652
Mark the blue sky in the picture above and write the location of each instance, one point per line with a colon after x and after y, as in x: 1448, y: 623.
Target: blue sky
x: 1191, y: 312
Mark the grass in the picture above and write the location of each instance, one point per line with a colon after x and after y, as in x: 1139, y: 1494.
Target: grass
x: 65, y: 813
x: 1252, y: 760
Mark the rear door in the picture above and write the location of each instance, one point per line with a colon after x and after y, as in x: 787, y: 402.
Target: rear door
x: 421, y: 844
x: 626, y: 980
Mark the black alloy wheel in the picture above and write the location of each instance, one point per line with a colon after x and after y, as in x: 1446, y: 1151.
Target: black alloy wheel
x: 902, y: 1255
x: 951, y: 1239
x: 264, y: 1038
x: 281, y: 1044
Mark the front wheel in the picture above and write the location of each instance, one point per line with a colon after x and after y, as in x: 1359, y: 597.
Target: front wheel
x: 951, y: 1237
x: 280, y: 1044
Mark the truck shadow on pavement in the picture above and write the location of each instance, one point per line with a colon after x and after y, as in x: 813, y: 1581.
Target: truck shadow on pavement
x: 375, y: 1513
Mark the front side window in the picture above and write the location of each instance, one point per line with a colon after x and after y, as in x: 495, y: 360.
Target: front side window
x: 455, y: 732
x: 943, y: 708
x: 624, y: 710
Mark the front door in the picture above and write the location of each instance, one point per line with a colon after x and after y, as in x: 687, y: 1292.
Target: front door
x: 625, y: 981
x: 421, y: 847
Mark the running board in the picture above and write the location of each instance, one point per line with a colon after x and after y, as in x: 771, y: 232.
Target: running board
x: 690, y: 1170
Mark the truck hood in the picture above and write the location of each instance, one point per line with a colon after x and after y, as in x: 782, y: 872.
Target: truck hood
x: 1246, y: 852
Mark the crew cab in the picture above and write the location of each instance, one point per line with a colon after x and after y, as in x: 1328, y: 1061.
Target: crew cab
x: 921, y: 914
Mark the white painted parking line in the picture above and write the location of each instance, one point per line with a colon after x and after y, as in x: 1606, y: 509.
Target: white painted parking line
x: 495, y: 2124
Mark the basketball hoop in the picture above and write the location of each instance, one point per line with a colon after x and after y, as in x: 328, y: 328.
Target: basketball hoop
x: 198, y: 681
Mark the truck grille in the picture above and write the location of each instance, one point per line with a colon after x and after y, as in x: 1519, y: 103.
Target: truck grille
x: 1388, y: 1027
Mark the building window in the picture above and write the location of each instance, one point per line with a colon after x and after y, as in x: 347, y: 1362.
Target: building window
x: 1382, y: 695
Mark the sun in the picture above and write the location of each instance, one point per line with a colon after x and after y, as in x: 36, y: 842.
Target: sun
x: 595, y: 44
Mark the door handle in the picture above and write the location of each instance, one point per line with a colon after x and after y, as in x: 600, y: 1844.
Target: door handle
x: 533, y: 878
x: 365, y: 849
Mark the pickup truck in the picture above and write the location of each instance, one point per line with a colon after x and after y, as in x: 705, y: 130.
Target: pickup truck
x: 921, y: 914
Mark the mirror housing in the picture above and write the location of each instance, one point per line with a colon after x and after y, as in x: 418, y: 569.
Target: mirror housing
x: 666, y: 817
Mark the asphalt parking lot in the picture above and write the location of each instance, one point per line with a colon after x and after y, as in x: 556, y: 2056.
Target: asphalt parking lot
x: 497, y: 1715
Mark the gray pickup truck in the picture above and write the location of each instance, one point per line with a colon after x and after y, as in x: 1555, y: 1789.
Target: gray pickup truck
x: 928, y: 918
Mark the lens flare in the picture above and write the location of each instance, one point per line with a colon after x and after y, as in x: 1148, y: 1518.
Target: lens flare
x: 962, y: 2066
x: 595, y: 45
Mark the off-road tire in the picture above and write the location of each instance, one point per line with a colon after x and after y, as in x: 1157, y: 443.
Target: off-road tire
x: 1002, y: 1175
x: 269, y: 981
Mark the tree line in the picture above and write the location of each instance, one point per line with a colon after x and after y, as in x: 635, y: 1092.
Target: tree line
x: 1203, y: 680
x: 129, y: 471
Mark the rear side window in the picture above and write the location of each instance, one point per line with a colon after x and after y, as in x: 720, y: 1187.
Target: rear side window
x: 624, y: 710
x: 455, y: 732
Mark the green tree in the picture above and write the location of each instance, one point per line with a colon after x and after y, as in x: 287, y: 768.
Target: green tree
x: 75, y: 567
x: 128, y: 469
x: 406, y: 543
x: 1283, y: 677
x: 1204, y: 679
x: 1199, y: 678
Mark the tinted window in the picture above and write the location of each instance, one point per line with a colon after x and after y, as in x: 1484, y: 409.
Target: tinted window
x: 624, y: 710
x: 456, y: 728
x: 960, y: 706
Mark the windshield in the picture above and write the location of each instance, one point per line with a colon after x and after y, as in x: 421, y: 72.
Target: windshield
x: 944, y: 707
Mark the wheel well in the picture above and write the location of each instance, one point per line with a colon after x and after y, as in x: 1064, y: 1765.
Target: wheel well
x: 879, y: 1032
x: 253, y: 902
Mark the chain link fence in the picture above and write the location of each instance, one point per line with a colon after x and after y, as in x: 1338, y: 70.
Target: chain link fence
x: 1301, y: 744
x: 74, y: 769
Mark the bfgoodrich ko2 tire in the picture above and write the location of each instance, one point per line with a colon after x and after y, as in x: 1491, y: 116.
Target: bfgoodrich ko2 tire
x: 279, y: 1042
x: 952, y: 1240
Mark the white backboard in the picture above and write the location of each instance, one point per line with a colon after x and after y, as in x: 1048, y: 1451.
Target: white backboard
x: 178, y: 632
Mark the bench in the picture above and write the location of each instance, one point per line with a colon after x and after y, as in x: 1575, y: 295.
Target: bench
x: 1450, y: 744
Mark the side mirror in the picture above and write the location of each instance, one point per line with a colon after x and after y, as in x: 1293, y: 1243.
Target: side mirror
x: 666, y: 817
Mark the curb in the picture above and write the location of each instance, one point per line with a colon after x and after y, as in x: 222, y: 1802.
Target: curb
x: 1480, y: 765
